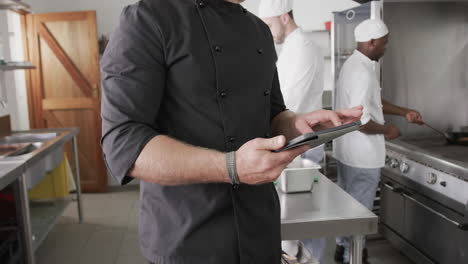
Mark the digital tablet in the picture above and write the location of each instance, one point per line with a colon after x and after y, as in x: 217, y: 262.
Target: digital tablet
x: 318, y: 138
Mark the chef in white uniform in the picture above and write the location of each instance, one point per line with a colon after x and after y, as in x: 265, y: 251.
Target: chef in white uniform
x: 300, y: 63
x: 360, y: 155
x: 300, y: 70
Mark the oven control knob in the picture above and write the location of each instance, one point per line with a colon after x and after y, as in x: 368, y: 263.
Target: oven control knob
x: 394, y: 163
x: 404, y: 167
x: 431, y: 178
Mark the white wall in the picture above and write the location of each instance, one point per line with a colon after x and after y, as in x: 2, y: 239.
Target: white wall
x: 108, y: 11
x: 12, y: 83
x: 17, y: 91
x: 3, y: 39
x: 5, y: 77
x: 310, y: 14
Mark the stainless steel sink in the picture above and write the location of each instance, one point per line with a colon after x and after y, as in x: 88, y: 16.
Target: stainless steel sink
x: 28, y: 146
x: 18, y: 149
x: 27, y: 138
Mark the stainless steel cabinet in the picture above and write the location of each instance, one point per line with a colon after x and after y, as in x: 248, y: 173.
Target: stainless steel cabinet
x: 392, y: 205
x: 434, y: 229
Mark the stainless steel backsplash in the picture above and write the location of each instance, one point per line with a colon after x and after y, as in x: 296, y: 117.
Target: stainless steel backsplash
x: 425, y: 66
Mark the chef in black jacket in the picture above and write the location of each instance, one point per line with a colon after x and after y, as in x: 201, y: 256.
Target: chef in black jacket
x: 185, y: 84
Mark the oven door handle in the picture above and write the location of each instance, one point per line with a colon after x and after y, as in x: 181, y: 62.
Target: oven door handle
x: 463, y: 227
x: 389, y: 185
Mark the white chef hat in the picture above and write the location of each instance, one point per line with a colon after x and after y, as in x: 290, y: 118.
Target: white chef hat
x: 273, y: 8
x: 370, y: 29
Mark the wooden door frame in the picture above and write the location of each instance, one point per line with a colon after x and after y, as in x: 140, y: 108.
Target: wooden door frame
x: 33, y: 31
x: 33, y: 78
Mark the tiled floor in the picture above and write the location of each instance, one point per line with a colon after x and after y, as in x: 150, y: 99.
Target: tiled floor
x: 110, y: 234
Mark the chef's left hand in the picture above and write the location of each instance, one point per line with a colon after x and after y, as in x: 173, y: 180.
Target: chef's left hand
x: 323, y: 119
x: 414, y: 116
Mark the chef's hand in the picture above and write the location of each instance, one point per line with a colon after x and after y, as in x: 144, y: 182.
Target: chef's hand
x: 257, y: 164
x: 414, y: 116
x: 392, y: 132
x: 323, y: 119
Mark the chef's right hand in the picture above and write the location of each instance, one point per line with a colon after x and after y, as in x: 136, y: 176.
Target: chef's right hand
x: 392, y: 132
x: 257, y: 164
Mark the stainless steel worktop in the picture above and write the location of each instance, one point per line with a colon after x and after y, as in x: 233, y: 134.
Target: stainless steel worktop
x: 63, y: 135
x: 7, y: 175
x: 325, y: 212
x: 25, y: 170
x: 9, y: 172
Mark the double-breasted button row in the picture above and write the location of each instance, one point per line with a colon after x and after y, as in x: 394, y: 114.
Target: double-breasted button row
x: 218, y: 48
x: 201, y: 4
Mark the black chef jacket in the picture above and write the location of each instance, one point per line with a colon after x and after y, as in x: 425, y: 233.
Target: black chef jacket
x: 202, y: 72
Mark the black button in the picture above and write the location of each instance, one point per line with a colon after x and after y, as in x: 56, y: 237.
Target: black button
x: 201, y: 4
x: 217, y: 48
x: 235, y: 186
x: 260, y: 51
x: 232, y: 139
x: 244, y: 10
x: 267, y: 135
x: 444, y: 183
x: 223, y: 94
x: 267, y: 92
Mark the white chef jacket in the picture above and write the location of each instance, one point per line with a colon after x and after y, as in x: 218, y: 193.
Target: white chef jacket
x: 358, y: 85
x: 300, y: 71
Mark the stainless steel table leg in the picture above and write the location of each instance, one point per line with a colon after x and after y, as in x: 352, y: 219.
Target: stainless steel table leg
x: 77, y: 180
x: 355, y: 252
x: 24, y: 218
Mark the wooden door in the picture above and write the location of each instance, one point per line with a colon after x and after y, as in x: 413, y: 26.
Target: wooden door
x: 65, y: 86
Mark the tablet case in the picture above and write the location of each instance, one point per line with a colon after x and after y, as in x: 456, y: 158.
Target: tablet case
x: 318, y: 138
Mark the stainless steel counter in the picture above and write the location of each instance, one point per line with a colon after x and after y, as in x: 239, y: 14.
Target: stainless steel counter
x: 22, y: 172
x: 327, y: 211
x: 9, y: 172
x: 12, y: 167
x: 63, y: 135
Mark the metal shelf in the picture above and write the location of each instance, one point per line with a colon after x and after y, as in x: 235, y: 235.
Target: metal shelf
x: 21, y: 65
x: 44, y: 215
